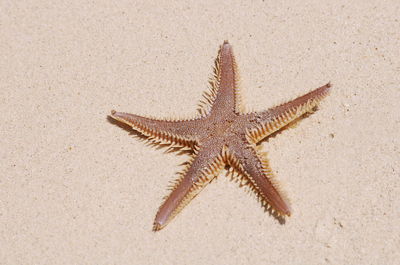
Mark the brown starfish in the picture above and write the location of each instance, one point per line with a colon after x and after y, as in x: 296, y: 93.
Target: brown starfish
x: 223, y: 135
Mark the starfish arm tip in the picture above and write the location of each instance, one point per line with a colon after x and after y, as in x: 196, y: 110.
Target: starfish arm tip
x: 157, y: 226
x: 283, y: 208
x: 328, y: 86
x: 325, y: 90
x: 288, y: 211
x: 118, y: 115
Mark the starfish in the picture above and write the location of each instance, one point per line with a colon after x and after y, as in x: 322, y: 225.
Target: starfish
x: 223, y: 136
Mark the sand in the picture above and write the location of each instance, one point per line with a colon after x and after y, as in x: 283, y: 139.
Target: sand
x: 76, y: 189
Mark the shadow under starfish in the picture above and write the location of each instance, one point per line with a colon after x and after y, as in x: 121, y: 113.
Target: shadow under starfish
x: 222, y: 136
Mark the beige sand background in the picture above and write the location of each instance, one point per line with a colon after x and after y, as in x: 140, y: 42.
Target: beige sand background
x: 75, y: 189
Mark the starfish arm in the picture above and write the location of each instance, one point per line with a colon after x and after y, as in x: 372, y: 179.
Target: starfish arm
x: 180, y: 132
x: 254, y: 167
x: 199, y: 171
x: 274, y: 119
x: 224, y: 94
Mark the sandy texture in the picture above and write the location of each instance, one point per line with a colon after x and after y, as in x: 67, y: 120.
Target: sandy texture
x: 75, y: 189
